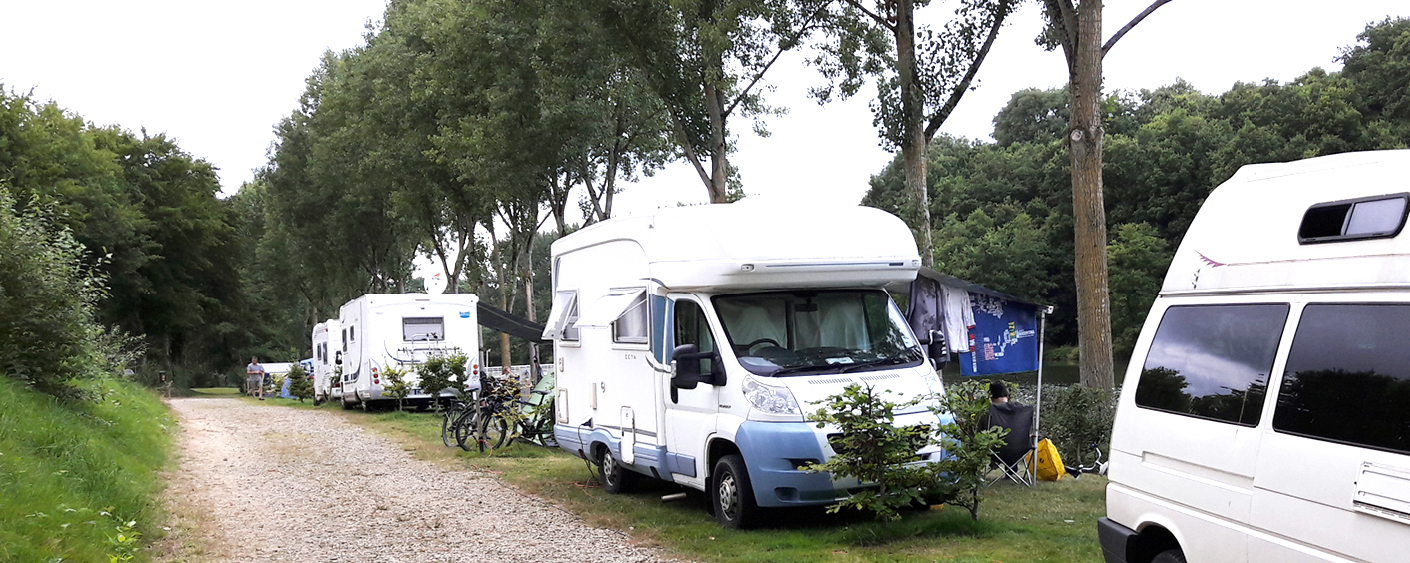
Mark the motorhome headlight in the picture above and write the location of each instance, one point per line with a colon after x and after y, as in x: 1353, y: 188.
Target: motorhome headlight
x: 769, y: 398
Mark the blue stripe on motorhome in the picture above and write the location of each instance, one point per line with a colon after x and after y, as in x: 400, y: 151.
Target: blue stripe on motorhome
x: 580, y: 440
x: 680, y: 463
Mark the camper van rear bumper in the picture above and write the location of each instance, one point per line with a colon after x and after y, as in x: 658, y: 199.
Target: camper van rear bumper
x: 1114, y: 539
x: 775, y: 453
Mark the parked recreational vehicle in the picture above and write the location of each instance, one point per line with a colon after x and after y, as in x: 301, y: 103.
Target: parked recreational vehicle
x: 381, y: 330
x: 1265, y: 416
x: 326, y: 387
x: 691, y: 342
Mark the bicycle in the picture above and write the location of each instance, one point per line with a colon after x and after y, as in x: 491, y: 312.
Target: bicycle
x: 1098, y: 467
x: 450, y: 418
x: 505, y: 418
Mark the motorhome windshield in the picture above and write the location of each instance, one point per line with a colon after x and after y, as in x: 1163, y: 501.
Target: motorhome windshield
x: 810, y: 332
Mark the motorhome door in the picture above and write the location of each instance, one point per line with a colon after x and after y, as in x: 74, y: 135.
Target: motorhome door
x: 690, y: 413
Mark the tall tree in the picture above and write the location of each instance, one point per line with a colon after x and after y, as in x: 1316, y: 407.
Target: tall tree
x: 705, y: 60
x: 1078, y: 30
x: 921, y: 77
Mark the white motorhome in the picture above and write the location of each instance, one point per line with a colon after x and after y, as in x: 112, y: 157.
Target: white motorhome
x: 326, y: 355
x: 691, y: 343
x: 1265, y: 416
x: 377, y: 331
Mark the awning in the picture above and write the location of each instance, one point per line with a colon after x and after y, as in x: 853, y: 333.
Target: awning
x: 608, y: 307
x: 513, y: 325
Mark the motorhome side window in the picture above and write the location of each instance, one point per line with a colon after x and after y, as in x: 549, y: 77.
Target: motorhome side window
x: 417, y: 329
x: 634, y: 324
x: 692, y: 328
x: 570, y: 319
x: 345, y: 340
x: 1347, y: 377
x: 1212, y: 361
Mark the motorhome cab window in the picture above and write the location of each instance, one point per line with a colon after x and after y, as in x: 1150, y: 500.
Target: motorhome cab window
x: 816, y: 332
x: 1347, y: 377
x: 415, y: 329
x: 1212, y: 361
x: 634, y: 324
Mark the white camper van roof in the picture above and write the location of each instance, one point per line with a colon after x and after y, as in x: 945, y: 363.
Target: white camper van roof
x: 760, y: 243
x: 1255, y: 233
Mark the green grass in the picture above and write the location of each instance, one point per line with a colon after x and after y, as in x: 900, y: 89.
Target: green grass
x: 1050, y: 522
x: 63, y: 464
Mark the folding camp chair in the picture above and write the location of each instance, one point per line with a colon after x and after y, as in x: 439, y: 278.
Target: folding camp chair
x: 1015, y: 455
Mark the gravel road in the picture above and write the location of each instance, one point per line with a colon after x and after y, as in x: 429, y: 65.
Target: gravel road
x: 266, y: 486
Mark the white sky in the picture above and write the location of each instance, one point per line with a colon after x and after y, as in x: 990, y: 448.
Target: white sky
x: 217, y: 76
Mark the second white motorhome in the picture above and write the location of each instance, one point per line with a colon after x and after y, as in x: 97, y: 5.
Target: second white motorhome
x: 377, y: 331
x: 326, y: 353
x: 691, y: 343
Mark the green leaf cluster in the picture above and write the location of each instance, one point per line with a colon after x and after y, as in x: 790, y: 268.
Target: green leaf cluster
x: 299, y: 385
x: 872, y: 449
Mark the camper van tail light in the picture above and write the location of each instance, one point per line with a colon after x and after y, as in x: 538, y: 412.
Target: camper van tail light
x: 770, y: 399
x: 475, y: 370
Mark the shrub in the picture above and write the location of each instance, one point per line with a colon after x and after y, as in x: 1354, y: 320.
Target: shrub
x: 299, y: 385
x: 960, y: 476
x: 394, y: 384
x: 48, y: 336
x: 872, y: 449
x: 1077, y: 416
x: 438, y: 373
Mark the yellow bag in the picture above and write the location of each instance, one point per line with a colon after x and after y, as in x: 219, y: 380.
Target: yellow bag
x: 1049, y: 462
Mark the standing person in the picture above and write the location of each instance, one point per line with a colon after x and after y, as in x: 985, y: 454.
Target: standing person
x: 254, y: 378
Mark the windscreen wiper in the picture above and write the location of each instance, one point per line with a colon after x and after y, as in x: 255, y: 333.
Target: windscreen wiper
x: 874, y: 363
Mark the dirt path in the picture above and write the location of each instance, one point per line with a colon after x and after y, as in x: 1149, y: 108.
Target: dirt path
x: 260, y: 484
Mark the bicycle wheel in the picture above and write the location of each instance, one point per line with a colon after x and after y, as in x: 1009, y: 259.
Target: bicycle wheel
x: 493, y: 430
x: 465, y: 427
x: 448, y: 418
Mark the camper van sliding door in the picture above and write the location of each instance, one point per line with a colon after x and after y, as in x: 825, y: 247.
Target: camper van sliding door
x: 690, y: 413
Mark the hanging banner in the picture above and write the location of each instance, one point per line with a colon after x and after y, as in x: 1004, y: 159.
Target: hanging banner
x: 1004, y: 338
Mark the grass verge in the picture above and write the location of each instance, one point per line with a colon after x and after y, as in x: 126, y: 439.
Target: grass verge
x: 1052, y: 522
x: 72, y: 474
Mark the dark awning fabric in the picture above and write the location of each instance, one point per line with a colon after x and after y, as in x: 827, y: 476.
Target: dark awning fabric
x: 511, y: 324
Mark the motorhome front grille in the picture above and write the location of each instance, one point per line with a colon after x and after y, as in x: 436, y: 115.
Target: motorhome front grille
x: 829, y: 380
x: 838, y: 445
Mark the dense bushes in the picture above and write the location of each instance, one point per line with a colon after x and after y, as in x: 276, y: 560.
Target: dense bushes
x: 48, y: 336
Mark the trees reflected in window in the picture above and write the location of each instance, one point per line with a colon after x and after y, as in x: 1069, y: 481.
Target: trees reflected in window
x: 1212, y: 361
x: 1347, y: 377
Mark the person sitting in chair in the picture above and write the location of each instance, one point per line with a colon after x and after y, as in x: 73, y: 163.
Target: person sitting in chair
x: 999, y: 393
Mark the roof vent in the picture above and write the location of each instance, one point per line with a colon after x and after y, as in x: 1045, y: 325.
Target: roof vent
x: 1355, y: 219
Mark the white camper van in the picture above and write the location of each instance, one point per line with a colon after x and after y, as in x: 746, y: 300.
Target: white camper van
x: 1265, y: 416
x: 691, y: 343
x: 326, y: 355
x: 403, y: 330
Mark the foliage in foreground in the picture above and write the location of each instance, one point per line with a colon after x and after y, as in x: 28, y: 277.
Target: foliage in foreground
x: 873, y: 449
x: 299, y: 385
x: 49, y: 338
x: 79, y: 478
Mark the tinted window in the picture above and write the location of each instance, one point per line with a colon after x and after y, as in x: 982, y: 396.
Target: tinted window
x: 1212, y: 361
x: 1347, y: 377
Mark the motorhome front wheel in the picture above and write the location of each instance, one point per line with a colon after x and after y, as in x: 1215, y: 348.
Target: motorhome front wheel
x: 732, y: 494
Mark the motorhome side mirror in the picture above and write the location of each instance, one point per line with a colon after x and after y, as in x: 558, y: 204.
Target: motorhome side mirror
x: 687, y: 359
x: 937, y: 350
x: 338, y: 358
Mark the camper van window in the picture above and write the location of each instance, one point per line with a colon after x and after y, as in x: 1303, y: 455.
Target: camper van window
x: 817, y: 332
x: 692, y: 328
x: 1348, y: 376
x: 417, y: 329
x: 1212, y: 361
x: 570, y: 319
x: 345, y: 340
x: 634, y: 324
x: 1357, y: 219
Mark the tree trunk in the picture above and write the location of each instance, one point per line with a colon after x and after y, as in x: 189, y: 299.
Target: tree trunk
x: 1088, y: 209
x: 913, y: 146
x: 715, y: 102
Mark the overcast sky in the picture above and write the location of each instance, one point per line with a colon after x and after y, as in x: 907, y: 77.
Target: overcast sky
x: 217, y: 76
